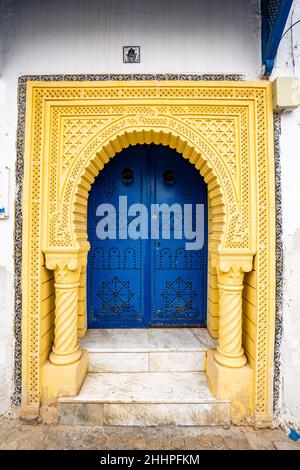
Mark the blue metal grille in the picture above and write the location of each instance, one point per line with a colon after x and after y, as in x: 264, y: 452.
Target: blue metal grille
x: 272, y: 12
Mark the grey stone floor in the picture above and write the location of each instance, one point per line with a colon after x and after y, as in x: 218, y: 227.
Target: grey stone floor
x: 15, y: 435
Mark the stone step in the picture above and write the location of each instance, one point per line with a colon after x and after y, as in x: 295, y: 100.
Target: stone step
x: 147, y: 350
x: 144, y: 399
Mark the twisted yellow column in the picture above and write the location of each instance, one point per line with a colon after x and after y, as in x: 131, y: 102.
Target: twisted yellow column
x: 65, y: 348
x: 230, y: 352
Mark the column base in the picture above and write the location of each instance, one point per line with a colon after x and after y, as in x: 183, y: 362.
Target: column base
x: 234, y: 362
x: 60, y: 360
x: 63, y: 380
x: 233, y: 384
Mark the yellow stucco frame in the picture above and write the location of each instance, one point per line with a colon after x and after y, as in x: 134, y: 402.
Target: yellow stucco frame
x: 224, y: 128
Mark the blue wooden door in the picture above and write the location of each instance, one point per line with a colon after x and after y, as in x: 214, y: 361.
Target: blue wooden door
x: 146, y: 282
x: 179, y: 276
x: 117, y: 269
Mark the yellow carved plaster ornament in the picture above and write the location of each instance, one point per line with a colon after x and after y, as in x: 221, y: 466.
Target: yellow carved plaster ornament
x: 225, y: 130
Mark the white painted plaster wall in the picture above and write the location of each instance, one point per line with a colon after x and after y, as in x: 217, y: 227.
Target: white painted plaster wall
x: 288, y: 64
x: 191, y: 36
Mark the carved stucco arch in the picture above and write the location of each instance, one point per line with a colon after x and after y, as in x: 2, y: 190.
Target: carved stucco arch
x: 177, y: 114
x: 145, y: 130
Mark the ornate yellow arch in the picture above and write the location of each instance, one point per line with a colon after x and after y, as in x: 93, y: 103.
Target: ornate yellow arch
x: 139, y: 130
x: 72, y: 130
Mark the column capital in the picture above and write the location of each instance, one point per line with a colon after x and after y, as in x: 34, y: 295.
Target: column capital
x: 66, y: 264
x: 231, y: 267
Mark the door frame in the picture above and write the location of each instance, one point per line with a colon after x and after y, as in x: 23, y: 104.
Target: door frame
x: 58, y: 230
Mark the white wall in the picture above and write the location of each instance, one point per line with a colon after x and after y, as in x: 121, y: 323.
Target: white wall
x: 175, y: 36
x: 288, y: 63
x: 73, y: 36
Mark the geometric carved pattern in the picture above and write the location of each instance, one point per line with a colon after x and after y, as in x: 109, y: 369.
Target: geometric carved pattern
x: 114, y: 259
x: 222, y: 134
x: 76, y: 133
x: 213, y: 129
x: 179, y: 294
x: 181, y: 259
x: 115, y: 295
x: 207, y: 122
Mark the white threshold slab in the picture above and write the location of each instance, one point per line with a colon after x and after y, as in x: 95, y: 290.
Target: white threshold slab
x: 153, y: 387
x: 146, y: 340
x: 138, y: 399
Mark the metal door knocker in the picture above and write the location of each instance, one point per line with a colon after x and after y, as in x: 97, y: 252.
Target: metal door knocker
x: 169, y: 177
x: 127, y: 176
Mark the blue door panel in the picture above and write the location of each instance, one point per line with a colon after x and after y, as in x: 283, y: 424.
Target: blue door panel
x: 141, y: 283
x: 179, y: 276
x: 116, y: 268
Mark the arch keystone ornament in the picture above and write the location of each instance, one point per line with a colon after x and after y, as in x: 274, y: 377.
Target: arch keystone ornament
x: 224, y: 129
